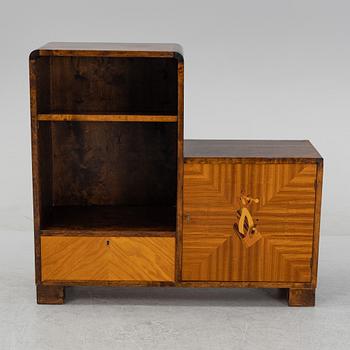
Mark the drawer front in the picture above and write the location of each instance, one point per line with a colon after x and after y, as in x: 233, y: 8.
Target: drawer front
x: 284, y: 218
x: 107, y: 259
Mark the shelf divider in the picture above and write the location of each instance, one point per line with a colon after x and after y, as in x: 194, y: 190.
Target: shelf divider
x: 107, y: 118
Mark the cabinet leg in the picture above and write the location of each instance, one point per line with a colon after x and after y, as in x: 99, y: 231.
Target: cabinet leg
x: 49, y: 294
x: 301, y: 297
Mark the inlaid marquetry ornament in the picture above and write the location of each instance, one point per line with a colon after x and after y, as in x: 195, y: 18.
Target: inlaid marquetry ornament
x: 245, y: 226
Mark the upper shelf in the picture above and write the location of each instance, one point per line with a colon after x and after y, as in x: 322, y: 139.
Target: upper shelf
x: 107, y: 118
x: 97, y: 86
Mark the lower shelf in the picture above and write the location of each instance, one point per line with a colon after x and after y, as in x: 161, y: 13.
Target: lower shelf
x: 125, y: 220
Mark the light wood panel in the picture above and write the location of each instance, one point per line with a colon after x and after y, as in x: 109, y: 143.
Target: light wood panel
x: 108, y: 258
x: 284, y: 216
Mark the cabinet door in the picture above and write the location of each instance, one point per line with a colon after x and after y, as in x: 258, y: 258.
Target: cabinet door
x: 284, y: 216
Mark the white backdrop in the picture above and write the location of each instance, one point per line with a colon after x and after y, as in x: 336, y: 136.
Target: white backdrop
x: 271, y: 69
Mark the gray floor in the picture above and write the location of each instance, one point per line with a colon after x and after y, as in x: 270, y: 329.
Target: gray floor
x: 152, y: 318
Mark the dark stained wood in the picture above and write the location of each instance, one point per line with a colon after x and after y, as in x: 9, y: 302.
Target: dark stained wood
x: 97, y: 219
x: 107, y: 85
x: 132, y: 164
x: 183, y: 284
x: 242, y: 284
x: 180, y: 172
x: 42, y: 77
x: 317, y: 222
x: 251, y: 150
x: 110, y: 49
x: 45, y: 170
x: 94, y: 172
x: 49, y: 294
x: 110, y: 232
x: 33, y: 66
x: 301, y: 297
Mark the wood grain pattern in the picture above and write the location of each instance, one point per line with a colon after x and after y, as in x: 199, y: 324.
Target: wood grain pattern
x: 284, y: 216
x: 108, y: 118
x: 317, y: 222
x: 53, y: 295
x: 251, y: 151
x: 243, y: 284
x: 89, y: 171
x: 106, y: 164
x: 301, y: 297
x: 71, y: 220
x: 180, y: 169
x: 89, y: 49
x: 37, y: 211
x: 108, y: 258
x: 107, y: 85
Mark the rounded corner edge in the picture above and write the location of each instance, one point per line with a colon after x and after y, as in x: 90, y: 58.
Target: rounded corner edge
x: 178, y: 53
x: 34, y: 54
x: 179, y: 57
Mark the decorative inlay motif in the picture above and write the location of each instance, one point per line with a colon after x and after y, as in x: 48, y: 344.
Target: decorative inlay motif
x: 245, y: 228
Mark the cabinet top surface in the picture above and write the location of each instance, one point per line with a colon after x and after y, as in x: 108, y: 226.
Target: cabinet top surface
x: 109, y: 49
x: 259, y: 149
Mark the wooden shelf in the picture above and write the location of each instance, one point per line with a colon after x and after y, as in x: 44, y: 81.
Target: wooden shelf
x: 107, y: 118
x: 111, y: 220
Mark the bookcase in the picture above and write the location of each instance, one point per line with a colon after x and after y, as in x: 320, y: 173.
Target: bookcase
x: 107, y: 142
x: 121, y: 199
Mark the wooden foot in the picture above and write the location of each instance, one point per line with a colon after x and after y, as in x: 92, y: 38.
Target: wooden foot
x: 49, y: 294
x: 301, y: 297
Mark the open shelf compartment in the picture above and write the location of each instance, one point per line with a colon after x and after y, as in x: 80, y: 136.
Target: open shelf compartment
x: 111, y: 219
x: 108, y: 177
x: 98, y: 86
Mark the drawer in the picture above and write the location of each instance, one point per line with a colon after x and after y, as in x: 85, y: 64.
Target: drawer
x: 283, y: 215
x: 107, y: 258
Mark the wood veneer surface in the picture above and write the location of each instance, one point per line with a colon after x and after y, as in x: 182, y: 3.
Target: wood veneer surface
x: 110, y: 49
x: 251, y: 149
x: 284, y: 217
x: 108, y: 258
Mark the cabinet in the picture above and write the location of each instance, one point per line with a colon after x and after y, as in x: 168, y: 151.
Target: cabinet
x: 278, y: 183
x: 121, y: 199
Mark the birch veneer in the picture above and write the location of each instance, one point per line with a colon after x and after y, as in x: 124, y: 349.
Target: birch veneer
x: 118, y: 202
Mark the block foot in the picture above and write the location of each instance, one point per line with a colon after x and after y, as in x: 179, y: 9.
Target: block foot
x: 301, y: 297
x: 50, y: 294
